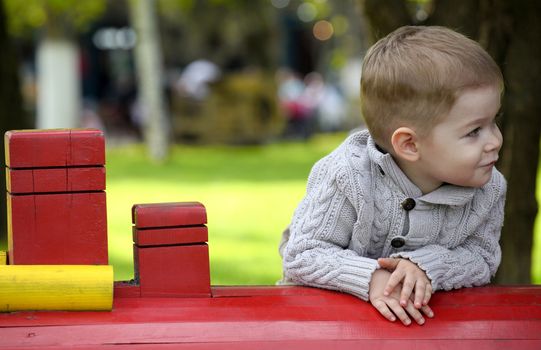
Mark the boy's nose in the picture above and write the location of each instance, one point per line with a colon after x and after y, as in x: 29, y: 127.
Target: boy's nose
x: 494, y: 143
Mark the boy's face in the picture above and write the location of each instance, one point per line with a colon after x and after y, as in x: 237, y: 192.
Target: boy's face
x: 462, y: 149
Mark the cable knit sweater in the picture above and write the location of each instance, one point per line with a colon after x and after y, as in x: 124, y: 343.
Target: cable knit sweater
x: 353, y: 208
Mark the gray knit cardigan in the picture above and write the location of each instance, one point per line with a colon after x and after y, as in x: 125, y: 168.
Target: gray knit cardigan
x: 352, y: 210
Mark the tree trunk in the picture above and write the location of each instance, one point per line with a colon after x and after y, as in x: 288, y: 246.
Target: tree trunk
x: 59, y: 97
x: 384, y: 16
x: 11, y: 116
x: 520, y: 155
x: 150, y: 75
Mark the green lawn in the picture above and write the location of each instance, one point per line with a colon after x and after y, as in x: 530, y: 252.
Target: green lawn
x: 249, y: 192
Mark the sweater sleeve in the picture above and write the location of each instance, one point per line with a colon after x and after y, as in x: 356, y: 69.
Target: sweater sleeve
x: 317, y: 252
x: 472, y: 263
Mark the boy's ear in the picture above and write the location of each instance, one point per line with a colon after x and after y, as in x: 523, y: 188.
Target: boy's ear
x: 404, y: 141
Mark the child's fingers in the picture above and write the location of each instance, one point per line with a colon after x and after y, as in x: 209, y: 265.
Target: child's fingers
x: 399, y: 311
x: 415, y: 313
x: 407, y: 289
x: 384, y: 310
x: 394, y: 280
x: 388, y: 263
x: 427, y: 311
x: 428, y: 293
x: 420, y: 294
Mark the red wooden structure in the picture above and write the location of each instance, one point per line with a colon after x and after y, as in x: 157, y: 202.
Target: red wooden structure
x: 171, y: 304
x: 284, y: 318
x: 56, y: 197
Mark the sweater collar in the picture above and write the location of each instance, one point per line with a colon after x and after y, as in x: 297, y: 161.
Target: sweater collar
x: 445, y: 194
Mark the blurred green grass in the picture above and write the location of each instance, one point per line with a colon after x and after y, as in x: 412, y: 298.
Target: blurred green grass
x: 250, y: 193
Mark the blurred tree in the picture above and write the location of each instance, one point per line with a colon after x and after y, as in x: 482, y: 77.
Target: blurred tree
x: 10, y: 103
x: 150, y: 74
x: 509, y: 31
x: 233, y: 34
x: 57, y: 55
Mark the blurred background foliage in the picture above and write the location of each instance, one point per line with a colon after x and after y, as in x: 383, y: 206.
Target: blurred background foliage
x: 244, y: 96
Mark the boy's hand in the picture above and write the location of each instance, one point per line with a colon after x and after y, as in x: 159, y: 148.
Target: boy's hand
x: 412, y: 277
x: 389, y: 306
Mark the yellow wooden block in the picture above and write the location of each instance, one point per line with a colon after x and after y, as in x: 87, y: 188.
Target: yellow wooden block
x: 56, y: 287
x: 3, y: 258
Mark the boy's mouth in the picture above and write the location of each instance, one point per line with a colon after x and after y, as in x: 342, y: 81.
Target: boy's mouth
x: 490, y: 164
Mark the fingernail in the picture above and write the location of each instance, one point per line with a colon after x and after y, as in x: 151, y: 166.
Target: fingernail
x: 407, y: 322
x: 422, y: 321
x: 430, y: 314
x: 393, y: 319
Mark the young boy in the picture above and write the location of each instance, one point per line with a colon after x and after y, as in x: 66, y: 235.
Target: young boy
x: 414, y: 204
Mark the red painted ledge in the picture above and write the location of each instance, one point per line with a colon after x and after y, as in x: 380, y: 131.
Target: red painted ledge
x: 284, y: 317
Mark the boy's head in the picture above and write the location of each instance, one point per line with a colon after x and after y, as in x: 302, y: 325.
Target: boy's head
x: 413, y: 76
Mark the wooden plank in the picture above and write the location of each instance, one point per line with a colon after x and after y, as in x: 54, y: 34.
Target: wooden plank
x: 78, y: 179
x: 292, y: 317
x: 167, y: 271
x: 127, y: 289
x: 57, y: 229
x: 170, y: 235
x: 280, y: 307
x: 56, y: 287
x: 438, y: 335
x: 334, y: 344
x: 168, y: 214
x: 54, y: 148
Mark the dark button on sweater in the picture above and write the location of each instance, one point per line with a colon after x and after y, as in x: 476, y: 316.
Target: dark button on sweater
x: 408, y: 204
x: 398, y: 242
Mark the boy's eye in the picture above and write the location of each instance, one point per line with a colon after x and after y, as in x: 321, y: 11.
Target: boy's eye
x: 474, y: 132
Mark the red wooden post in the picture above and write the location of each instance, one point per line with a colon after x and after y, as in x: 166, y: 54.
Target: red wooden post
x: 170, y: 254
x: 56, y: 199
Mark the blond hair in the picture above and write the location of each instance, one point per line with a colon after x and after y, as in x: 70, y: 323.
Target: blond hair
x: 413, y: 76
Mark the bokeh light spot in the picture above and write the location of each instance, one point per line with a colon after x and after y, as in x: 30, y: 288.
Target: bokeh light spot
x: 323, y: 30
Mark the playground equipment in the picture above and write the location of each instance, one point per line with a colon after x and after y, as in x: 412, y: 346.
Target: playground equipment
x: 171, y: 303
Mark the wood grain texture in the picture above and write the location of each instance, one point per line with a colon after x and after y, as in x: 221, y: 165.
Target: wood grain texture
x: 154, y: 215
x: 54, y: 148
x: 169, y: 271
x: 39, y: 180
x: 56, y: 229
x: 285, y: 317
x: 170, y: 235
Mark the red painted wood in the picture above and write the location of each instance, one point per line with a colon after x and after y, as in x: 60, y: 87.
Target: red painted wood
x: 168, y: 214
x: 181, y: 270
x: 170, y: 235
x: 68, y: 228
x: 42, y: 180
x: 285, y: 317
x: 127, y: 289
x: 335, y: 344
x: 54, y: 148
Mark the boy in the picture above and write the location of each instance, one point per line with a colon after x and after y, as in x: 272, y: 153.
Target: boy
x: 414, y: 204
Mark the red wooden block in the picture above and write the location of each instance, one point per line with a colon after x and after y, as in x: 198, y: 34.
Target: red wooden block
x: 54, y: 148
x: 42, y: 180
x: 126, y: 289
x: 168, y: 214
x: 68, y: 228
x: 173, y: 271
x: 170, y: 235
